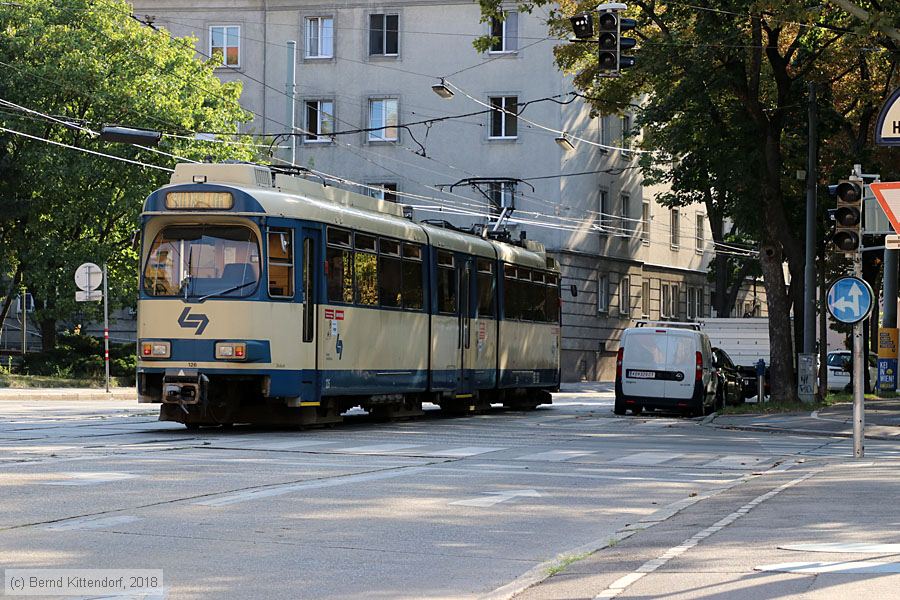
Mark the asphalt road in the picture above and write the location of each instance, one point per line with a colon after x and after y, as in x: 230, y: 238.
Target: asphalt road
x: 434, y: 508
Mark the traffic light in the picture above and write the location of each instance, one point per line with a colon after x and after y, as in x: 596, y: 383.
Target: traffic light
x: 848, y: 217
x: 608, y: 24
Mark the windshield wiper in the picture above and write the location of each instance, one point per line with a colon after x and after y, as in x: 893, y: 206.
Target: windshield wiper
x: 186, y: 281
x: 227, y: 290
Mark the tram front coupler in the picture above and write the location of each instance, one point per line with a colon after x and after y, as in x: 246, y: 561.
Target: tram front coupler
x: 184, y: 386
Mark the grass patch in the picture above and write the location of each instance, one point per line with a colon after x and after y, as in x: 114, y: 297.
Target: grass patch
x: 798, y: 407
x: 565, y: 562
x: 8, y: 380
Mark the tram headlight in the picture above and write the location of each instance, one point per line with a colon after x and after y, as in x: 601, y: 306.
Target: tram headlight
x: 231, y: 350
x: 156, y: 349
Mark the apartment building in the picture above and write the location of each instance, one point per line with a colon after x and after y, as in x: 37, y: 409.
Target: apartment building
x: 364, y: 109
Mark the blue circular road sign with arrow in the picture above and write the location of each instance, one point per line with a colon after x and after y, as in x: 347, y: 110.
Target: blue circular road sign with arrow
x: 850, y: 300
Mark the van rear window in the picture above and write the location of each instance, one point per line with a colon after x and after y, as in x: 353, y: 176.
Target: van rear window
x: 645, y: 347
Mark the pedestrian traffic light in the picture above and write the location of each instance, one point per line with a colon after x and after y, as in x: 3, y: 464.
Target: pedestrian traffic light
x: 583, y: 25
x: 848, y: 217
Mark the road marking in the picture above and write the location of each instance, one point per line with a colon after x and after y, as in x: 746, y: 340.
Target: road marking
x: 734, y: 461
x: 90, y: 478
x: 857, y: 548
x: 462, y: 452
x: 81, y: 523
x: 556, y: 455
x: 377, y: 448
x: 623, y: 583
x: 288, y: 488
x: 496, y: 498
x: 645, y: 458
x: 268, y: 445
x: 859, y: 567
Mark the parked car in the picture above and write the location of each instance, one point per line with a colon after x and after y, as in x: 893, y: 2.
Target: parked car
x: 661, y: 366
x: 730, y: 389
x: 839, y: 366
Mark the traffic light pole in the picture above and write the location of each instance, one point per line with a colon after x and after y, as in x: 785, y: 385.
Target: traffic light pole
x: 859, y: 377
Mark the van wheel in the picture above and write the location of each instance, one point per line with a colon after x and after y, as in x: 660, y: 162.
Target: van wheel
x: 619, y: 407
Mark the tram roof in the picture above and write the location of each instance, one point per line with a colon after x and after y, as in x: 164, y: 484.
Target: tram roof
x: 294, y: 197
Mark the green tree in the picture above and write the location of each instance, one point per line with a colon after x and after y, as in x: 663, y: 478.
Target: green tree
x: 87, y: 63
x: 723, y: 87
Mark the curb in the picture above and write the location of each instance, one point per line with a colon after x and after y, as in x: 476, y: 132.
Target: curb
x: 811, y: 432
x: 57, y: 395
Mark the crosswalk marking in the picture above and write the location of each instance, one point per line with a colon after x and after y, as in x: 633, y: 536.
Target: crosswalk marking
x: 377, y: 448
x: 556, y: 455
x: 646, y: 458
x: 89, y: 478
x: 734, y: 461
x: 462, y: 452
x: 272, y: 445
x: 91, y: 523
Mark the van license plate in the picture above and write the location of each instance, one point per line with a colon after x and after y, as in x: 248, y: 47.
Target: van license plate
x: 640, y: 374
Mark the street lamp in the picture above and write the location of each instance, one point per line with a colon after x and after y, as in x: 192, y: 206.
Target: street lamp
x: 565, y: 143
x: 130, y: 135
x: 442, y: 90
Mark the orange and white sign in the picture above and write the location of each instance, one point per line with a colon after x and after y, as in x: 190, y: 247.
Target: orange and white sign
x: 888, y: 196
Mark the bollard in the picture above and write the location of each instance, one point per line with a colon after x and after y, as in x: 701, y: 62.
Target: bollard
x: 761, y: 381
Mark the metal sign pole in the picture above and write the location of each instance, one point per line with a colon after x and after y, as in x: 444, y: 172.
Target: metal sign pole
x: 106, y: 326
x: 859, y: 377
x: 24, y: 314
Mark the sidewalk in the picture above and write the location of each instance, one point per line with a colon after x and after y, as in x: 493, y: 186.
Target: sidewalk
x: 882, y: 420
x: 67, y: 394
x: 815, y: 531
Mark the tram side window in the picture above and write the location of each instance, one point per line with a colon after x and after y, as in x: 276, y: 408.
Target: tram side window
x: 413, y: 295
x: 389, y: 274
x: 339, y: 262
x: 486, y: 288
x: 281, y: 263
x: 512, y: 301
x: 446, y: 283
x: 537, y: 297
x: 365, y: 264
x: 552, y: 299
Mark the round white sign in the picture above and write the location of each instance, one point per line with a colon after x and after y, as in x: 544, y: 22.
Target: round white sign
x: 88, y: 277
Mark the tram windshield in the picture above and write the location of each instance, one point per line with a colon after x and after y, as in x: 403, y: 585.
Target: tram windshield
x: 203, y: 261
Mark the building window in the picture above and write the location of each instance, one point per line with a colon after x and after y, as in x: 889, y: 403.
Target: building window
x: 700, y: 303
x: 606, y: 131
x: 502, y: 194
x: 605, y: 216
x: 676, y: 302
x: 505, y: 33
x: 624, y: 225
x: 383, y: 191
x: 383, y: 119
x: 691, y: 303
x: 319, y: 37
x: 645, y: 298
x: 699, y: 234
x: 625, y: 297
x: 504, y: 122
x: 384, y: 35
x: 603, y: 293
x: 319, y: 120
x: 675, y: 226
x: 225, y: 44
x: 665, y: 310
x: 645, y: 223
x: 626, y: 131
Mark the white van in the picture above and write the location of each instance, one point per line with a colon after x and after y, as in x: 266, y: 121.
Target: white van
x: 667, y: 366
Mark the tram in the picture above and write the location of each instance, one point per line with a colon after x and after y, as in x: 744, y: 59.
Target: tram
x: 273, y: 299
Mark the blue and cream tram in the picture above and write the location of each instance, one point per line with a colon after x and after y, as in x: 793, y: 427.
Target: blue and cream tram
x: 267, y: 298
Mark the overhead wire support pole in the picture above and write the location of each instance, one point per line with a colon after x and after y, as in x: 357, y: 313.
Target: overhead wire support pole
x: 106, y: 325
x: 859, y: 352
x: 809, y: 275
x: 290, y: 96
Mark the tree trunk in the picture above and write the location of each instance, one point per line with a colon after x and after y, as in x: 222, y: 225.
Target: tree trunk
x: 781, y: 371
x: 48, y: 333
x: 7, y: 302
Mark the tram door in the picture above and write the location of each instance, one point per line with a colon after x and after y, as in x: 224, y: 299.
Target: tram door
x: 309, y: 282
x: 466, y: 356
